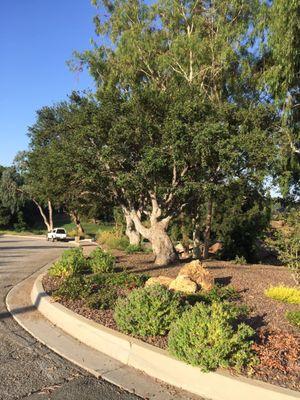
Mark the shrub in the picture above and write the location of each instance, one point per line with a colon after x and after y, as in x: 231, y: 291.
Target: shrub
x: 73, y: 288
x: 240, y: 260
x: 122, y: 280
x: 134, y: 248
x: 72, y: 233
x: 104, y: 299
x: 101, y: 261
x: 283, y: 293
x: 210, y: 336
x: 217, y: 293
x: 72, y: 262
x: 148, y: 311
x: 113, y: 240
x: 293, y: 317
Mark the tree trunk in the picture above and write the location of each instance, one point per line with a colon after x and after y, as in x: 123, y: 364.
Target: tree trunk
x: 77, y: 222
x: 132, y: 234
x: 207, y: 229
x: 196, y: 241
x: 47, y: 221
x: 50, y: 212
x: 162, y: 245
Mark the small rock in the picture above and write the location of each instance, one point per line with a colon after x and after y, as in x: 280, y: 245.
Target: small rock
x: 161, y: 280
x: 183, y: 284
x: 196, y: 271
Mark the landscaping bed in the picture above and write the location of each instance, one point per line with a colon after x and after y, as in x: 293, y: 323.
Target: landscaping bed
x: 277, y: 342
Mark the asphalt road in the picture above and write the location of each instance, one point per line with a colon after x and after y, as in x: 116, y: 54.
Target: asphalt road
x: 27, y: 368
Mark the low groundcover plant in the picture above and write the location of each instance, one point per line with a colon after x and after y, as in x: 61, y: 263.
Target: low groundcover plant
x: 284, y: 293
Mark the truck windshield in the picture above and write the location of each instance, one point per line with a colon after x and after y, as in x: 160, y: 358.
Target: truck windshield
x: 60, y: 231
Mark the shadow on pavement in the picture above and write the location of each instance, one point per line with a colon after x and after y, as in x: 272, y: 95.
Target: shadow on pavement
x: 23, y: 310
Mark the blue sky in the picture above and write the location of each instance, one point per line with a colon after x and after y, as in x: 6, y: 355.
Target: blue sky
x: 37, y: 37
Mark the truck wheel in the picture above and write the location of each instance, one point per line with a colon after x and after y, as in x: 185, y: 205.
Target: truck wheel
x: 52, y: 239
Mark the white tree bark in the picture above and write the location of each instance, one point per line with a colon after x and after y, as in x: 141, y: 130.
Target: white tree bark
x: 48, y: 220
x: 162, y: 245
x: 77, y: 222
x: 131, y: 232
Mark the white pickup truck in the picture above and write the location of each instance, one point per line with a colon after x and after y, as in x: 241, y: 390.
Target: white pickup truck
x: 57, y: 234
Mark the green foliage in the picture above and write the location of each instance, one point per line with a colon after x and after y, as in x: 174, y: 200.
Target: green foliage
x: 211, y: 337
x: 72, y: 262
x: 118, y: 279
x: 294, y: 318
x: 113, y: 240
x: 281, y: 77
x: 120, y: 225
x: 101, y: 261
x: 240, y: 220
x: 148, y: 311
x: 216, y: 294
x: 240, y: 260
x: 286, y: 242
x: 134, y: 248
x: 105, y: 298
x: 283, y: 293
x: 73, y: 288
x: 20, y: 224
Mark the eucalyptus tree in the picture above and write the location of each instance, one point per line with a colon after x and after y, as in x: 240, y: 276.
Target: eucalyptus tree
x: 281, y: 81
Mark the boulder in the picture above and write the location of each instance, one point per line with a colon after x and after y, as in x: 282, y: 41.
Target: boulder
x: 196, y: 271
x: 215, y: 248
x: 183, y: 284
x: 159, y: 280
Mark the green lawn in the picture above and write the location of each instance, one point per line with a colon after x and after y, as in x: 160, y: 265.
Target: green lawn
x: 90, y: 228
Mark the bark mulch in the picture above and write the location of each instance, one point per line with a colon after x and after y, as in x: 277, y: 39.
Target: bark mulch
x: 249, y: 280
x: 277, y: 343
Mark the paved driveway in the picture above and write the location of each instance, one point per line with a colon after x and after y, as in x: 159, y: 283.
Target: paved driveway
x: 28, y: 369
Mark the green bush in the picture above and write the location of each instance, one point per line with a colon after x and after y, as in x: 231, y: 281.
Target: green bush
x: 134, y: 248
x: 101, y: 261
x: 148, y: 311
x: 72, y: 233
x: 120, y: 279
x: 239, y: 260
x: 72, y: 262
x: 294, y: 318
x: 113, y: 240
x: 240, y: 220
x: 283, y: 293
x: 209, y: 336
x: 217, y: 293
x: 103, y: 299
x: 73, y: 288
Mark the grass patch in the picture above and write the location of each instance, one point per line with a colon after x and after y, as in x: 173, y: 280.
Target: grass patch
x: 283, y: 293
x: 294, y: 318
x: 91, y: 230
x: 23, y: 233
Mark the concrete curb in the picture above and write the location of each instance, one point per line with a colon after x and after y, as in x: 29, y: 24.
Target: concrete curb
x: 19, y: 304
x: 153, y: 361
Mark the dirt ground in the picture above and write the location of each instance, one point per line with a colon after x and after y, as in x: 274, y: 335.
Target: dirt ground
x: 249, y: 280
x: 278, y: 342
